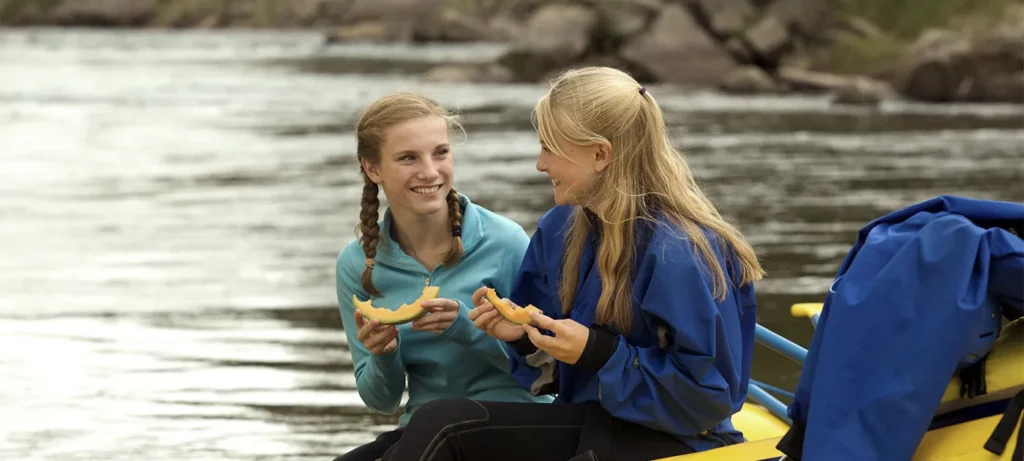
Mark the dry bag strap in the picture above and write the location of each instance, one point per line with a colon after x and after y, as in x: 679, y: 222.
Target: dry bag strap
x: 1001, y: 435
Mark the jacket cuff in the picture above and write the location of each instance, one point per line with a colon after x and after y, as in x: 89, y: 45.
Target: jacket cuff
x: 600, y: 346
x: 523, y: 346
x: 461, y: 329
x: 385, y: 363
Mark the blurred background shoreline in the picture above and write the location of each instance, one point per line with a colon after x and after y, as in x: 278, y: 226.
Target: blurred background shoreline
x: 174, y: 194
x: 857, y: 51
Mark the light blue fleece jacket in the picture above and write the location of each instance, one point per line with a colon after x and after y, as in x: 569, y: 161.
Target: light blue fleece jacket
x: 460, y: 362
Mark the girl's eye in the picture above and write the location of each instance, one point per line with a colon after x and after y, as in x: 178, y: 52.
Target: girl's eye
x: 443, y: 152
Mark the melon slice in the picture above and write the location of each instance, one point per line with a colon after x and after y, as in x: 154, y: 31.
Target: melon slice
x: 404, y: 314
x: 517, y: 315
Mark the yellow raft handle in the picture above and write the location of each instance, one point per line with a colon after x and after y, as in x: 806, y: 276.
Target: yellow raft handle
x: 808, y: 310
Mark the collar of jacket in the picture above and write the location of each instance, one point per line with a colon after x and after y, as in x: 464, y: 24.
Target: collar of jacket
x: 390, y: 253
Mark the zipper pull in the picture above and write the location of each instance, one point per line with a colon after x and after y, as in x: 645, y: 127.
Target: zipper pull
x: 427, y: 284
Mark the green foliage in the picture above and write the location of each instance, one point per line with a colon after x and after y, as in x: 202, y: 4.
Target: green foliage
x: 865, y: 55
x: 185, y: 13
x: 902, y: 22
x: 12, y: 10
x: 906, y: 19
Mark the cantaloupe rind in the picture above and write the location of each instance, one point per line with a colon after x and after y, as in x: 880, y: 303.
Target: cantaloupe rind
x: 404, y: 314
x: 517, y: 315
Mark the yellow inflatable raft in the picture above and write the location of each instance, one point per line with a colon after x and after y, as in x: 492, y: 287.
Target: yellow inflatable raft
x: 964, y: 441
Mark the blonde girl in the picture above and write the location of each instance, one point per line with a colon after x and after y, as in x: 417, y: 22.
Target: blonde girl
x: 646, y: 292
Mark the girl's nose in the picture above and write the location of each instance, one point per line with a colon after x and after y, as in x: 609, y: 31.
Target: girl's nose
x: 429, y: 170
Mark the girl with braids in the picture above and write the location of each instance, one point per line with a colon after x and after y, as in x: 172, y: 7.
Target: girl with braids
x: 428, y: 236
x: 648, y: 311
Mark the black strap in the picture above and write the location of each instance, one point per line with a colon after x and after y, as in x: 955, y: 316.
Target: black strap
x: 1018, y: 452
x: 1001, y: 435
x: 972, y: 379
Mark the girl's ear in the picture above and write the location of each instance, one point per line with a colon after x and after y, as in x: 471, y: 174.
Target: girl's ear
x: 372, y: 171
x: 602, y: 156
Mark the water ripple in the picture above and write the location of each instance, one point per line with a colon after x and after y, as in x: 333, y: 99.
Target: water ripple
x: 173, y: 203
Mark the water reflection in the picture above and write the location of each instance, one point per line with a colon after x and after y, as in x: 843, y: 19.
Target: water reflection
x: 172, y: 206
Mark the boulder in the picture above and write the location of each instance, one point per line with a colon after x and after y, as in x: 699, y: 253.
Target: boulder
x: 479, y: 73
x: 294, y: 13
x: 807, y: 18
x: 725, y: 17
x: 846, y: 89
x: 22, y: 13
x: 506, y: 28
x: 555, y: 35
x: 944, y: 67
x: 602, y: 60
x: 800, y: 56
x: 367, y: 31
x: 454, y: 26
x: 675, y: 49
x: 117, y: 13
x: 190, y: 13
x: 355, y: 11
x: 863, y: 90
x: 1002, y: 88
x: 739, y: 50
x: 768, y: 38
x: 997, y: 61
x: 749, y: 80
x: 812, y: 81
x: 936, y: 42
x: 256, y: 14
x: 621, y: 19
x: 861, y: 27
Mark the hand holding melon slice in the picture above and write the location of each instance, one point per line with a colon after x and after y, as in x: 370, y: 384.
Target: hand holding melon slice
x: 404, y: 314
x: 517, y: 315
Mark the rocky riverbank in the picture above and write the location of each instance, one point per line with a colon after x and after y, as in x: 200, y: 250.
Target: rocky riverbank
x: 738, y: 46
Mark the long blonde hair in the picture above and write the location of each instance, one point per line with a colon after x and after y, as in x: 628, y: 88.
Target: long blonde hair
x: 646, y: 176
x: 371, y: 130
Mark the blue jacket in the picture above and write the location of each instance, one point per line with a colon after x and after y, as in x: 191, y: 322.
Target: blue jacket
x: 461, y: 362
x: 689, y: 388
x: 918, y: 296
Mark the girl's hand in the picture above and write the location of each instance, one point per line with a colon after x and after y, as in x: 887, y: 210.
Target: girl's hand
x: 442, y: 313
x: 568, y: 343
x: 378, y: 339
x: 487, y: 319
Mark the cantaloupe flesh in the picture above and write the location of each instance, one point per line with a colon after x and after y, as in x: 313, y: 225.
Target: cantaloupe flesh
x: 404, y: 314
x: 517, y: 315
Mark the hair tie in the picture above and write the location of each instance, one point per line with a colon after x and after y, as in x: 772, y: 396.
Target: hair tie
x: 643, y: 91
x: 456, y: 231
x: 369, y: 263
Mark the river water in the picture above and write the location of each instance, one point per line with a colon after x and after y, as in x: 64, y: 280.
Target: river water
x: 172, y: 204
